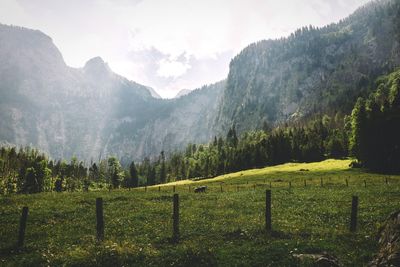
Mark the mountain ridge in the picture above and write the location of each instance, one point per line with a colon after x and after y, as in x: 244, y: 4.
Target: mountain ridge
x: 89, y: 112
x: 312, y: 70
x: 92, y: 112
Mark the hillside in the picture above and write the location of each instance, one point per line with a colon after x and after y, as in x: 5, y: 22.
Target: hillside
x: 89, y: 112
x: 182, y: 93
x: 216, y: 228
x: 314, y: 70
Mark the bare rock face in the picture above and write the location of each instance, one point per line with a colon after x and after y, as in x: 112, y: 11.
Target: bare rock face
x: 389, y: 243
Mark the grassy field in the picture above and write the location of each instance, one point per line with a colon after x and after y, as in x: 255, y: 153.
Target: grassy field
x: 224, y: 229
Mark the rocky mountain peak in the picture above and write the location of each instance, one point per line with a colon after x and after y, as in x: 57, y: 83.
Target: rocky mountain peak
x: 96, y: 66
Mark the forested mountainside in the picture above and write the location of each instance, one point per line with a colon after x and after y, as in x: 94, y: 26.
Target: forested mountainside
x: 89, y: 112
x: 93, y: 113
x: 314, y: 70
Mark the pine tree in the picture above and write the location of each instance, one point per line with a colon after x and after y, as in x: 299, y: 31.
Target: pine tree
x: 151, y: 178
x: 134, y: 178
x: 358, y: 130
x: 115, y: 172
x: 163, y: 174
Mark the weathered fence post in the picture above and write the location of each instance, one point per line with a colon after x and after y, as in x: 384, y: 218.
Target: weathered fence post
x: 22, y: 227
x: 347, y: 183
x: 99, y: 219
x: 268, y: 224
x: 175, y: 218
x: 354, y: 210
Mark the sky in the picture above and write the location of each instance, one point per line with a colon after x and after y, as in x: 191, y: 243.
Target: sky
x: 169, y: 45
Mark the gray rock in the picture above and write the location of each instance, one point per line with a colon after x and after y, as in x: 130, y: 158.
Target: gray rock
x: 389, y: 243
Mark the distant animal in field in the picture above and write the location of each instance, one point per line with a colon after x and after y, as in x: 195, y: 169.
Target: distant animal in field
x: 200, y: 189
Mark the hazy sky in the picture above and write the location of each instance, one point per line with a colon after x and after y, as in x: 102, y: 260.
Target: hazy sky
x: 167, y: 44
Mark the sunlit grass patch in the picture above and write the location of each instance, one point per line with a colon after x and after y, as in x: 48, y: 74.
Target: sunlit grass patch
x: 217, y: 228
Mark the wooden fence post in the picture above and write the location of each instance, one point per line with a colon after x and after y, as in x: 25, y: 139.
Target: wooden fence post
x: 99, y: 219
x: 159, y: 189
x: 175, y: 217
x: 268, y: 224
x: 173, y: 189
x: 347, y: 183
x: 354, y: 210
x: 22, y: 227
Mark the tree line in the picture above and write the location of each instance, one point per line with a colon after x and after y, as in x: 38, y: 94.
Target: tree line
x: 375, y: 138
x: 370, y: 134
x: 26, y: 170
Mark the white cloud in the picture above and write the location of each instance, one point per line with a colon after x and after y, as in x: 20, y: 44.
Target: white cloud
x: 172, y: 68
x: 11, y: 12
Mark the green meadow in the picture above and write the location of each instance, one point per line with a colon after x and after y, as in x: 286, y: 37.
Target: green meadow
x: 216, y: 228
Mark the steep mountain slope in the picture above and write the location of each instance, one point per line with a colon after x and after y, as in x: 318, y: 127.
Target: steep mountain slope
x: 313, y: 70
x: 92, y: 112
x: 89, y: 112
x: 182, y: 93
x: 170, y: 124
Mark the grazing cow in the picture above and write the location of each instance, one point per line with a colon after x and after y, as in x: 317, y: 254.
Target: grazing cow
x: 200, y: 189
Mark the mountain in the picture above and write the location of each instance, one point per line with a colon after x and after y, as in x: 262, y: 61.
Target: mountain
x: 89, y: 112
x: 153, y: 92
x: 167, y: 124
x: 182, y: 93
x: 314, y: 70
x: 92, y: 112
